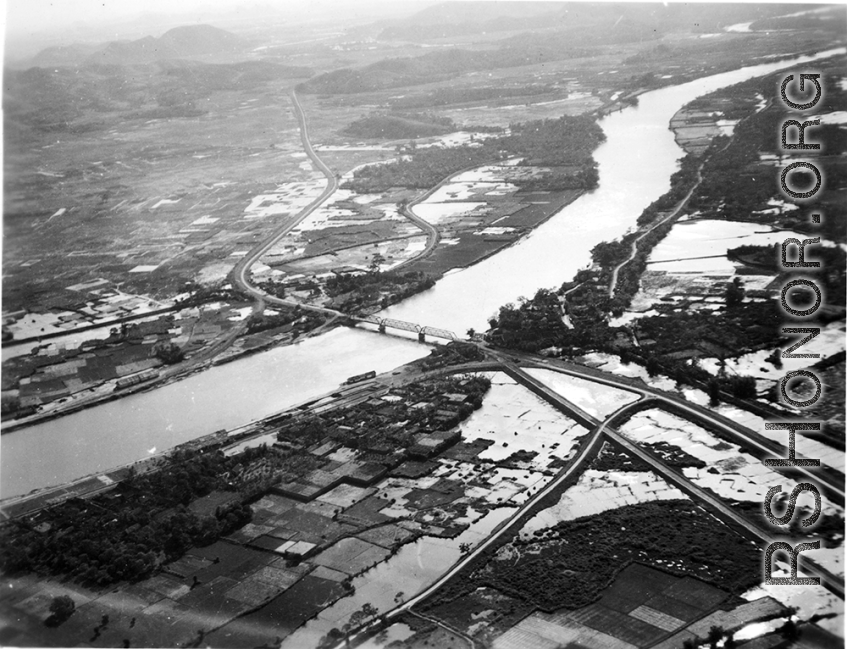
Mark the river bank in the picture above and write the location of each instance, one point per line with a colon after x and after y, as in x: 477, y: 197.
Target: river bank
x: 96, y: 399
x: 634, y: 164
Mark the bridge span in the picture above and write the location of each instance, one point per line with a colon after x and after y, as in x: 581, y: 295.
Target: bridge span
x: 422, y: 330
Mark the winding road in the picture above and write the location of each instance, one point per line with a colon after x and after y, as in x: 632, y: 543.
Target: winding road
x: 240, y: 272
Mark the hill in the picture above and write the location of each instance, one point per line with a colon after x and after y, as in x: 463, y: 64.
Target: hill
x: 521, y: 49
x: 61, y: 55
x: 185, y: 42
x: 457, y: 19
x: 58, y: 99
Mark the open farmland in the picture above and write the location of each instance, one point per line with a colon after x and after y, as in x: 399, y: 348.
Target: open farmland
x: 584, y: 200
x: 176, y: 195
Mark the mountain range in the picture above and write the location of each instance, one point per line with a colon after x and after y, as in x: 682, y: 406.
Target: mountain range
x: 187, y: 42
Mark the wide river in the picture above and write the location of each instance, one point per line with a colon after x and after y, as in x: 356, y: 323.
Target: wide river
x: 635, y: 165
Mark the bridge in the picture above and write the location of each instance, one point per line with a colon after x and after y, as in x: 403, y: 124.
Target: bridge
x: 422, y: 330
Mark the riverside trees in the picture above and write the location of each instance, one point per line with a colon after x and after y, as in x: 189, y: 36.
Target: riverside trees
x: 127, y: 533
x: 565, y: 144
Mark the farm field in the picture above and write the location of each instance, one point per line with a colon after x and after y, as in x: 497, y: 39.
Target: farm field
x: 334, y: 538
x: 564, y: 218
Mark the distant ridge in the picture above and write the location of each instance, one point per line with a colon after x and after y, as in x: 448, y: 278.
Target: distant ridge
x: 463, y: 18
x: 61, y: 55
x: 186, y: 42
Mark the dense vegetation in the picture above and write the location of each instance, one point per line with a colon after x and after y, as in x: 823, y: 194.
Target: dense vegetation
x: 399, y: 126
x: 671, y: 341
x: 530, y: 325
x: 423, y: 169
x: 829, y: 276
x: 352, y: 293
x: 300, y: 321
x: 737, y: 187
x: 560, y: 180
x: 611, y: 459
x: 568, y: 565
x: 128, y: 532
x: 154, y: 517
x: 566, y: 141
x: 451, y: 354
x: 392, y: 427
x: 536, y: 324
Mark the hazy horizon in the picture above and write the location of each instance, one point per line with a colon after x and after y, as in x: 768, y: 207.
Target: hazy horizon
x: 32, y: 25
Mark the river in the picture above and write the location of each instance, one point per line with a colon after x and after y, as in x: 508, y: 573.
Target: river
x: 635, y: 165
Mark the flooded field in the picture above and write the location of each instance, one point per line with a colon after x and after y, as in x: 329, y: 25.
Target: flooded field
x: 690, y: 264
x: 511, y: 419
x: 829, y: 342
x: 514, y: 419
x: 600, y: 491
x: 730, y: 473
x: 699, y: 246
x: 595, y: 398
x: 412, y: 569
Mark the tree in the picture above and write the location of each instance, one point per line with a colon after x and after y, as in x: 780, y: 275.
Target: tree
x: 169, y: 353
x: 357, y: 619
x: 743, y: 387
x: 734, y: 293
x: 714, y: 392
x: 61, y: 608
x: 471, y: 332
x: 653, y: 366
x: 721, y: 365
x: 376, y: 261
x: 790, y: 630
x: 715, y: 635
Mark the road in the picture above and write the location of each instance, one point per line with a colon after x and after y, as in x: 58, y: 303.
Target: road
x: 699, y: 495
x: 240, y: 273
x: 587, y: 450
x: 433, y: 236
x: 716, y: 504
x: 614, y: 281
x: 832, y: 481
x: 602, y: 431
x: 447, y: 628
x: 616, y: 270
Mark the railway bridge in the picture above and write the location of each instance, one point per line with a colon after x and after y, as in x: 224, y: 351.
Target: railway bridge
x: 422, y: 330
